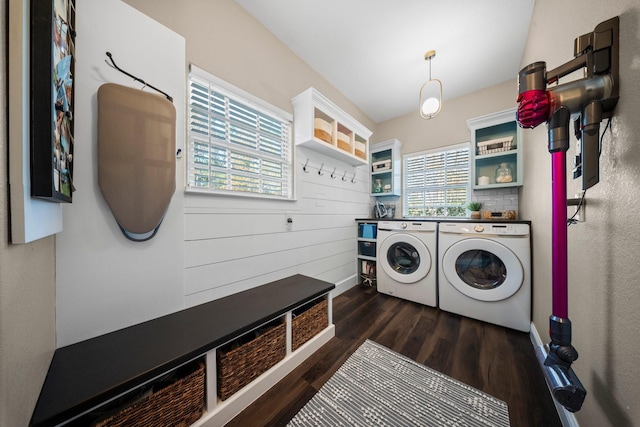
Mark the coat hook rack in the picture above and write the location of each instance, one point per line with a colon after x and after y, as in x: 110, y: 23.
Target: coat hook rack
x: 113, y: 65
x: 308, y: 166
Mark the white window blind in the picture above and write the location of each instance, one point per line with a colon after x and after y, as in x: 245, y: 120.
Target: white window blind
x: 237, y: 143
x: 436, y: 183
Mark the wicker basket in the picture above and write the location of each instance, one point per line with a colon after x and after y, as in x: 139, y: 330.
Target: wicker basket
x: 240, y: 363
x: 360, y: 149
x: 323, y: 135
x: 179, y: 404
x: 344, y: 145
x: 309, y: 323
x: 495, y: 145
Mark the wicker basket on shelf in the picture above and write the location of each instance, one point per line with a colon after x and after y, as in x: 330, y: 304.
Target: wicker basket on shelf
x: 495, y: 145
x: 181, y: 403
x: 360, y: 149
x: 239, y: 363
x: 309, y: 323
x: 344, y: 142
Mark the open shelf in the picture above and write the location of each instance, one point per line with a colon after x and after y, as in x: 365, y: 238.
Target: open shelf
x: 321, y: 125
x: 385, y: 168
x: 493, y: 130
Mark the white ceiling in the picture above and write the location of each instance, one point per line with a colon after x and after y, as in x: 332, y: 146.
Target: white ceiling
x: 373, y: 50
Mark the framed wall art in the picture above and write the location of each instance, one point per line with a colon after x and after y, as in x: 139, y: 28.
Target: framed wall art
x: 52, y: 58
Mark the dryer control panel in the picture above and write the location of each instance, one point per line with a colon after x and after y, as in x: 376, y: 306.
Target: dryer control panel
x: 485, y: 229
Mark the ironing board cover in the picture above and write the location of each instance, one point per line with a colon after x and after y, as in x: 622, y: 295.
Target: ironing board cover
x: 136, y: 157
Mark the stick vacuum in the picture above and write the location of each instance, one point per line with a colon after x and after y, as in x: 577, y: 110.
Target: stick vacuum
x: 588, y: 101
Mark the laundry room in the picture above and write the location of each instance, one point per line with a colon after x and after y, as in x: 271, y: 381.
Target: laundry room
x: 70, y: 274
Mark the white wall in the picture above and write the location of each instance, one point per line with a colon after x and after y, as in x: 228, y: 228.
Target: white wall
x: 105, y: 281
x: 207, y: 246
x: 603, y: 251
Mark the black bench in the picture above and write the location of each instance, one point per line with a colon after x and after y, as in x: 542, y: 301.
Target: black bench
x: 85, y: 375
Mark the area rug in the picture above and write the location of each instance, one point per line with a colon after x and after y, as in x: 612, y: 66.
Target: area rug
x: 379, y: 387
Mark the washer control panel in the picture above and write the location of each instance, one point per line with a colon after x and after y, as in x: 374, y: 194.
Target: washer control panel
x: 407, y: 226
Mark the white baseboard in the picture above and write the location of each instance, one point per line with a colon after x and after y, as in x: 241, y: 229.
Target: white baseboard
x: 345, y: 285
x: 567, y: 418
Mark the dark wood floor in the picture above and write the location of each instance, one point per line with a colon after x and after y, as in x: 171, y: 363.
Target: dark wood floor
x: 497, y: 360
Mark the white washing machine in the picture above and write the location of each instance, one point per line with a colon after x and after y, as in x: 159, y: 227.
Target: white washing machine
x: 485, y: 272
x: 406, y: 260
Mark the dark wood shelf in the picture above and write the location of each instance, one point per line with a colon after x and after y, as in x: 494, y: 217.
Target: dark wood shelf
x: 84, y: 375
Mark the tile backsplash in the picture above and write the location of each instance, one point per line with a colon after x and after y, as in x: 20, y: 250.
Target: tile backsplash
x: 498, y: 199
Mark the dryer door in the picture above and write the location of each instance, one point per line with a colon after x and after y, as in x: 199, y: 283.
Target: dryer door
x: 404, y: 258
x: 483, y: 269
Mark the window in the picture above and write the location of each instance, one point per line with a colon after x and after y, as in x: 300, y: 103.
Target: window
x: 436, y: 182
x: 237, y: 143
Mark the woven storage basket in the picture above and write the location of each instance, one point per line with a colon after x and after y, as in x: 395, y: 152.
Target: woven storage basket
x: 308, y: 324
x: 344, y: 145
x: 495, y: 145
x: 321, y: 134
x: 238, y: 366
x: 178, y: 404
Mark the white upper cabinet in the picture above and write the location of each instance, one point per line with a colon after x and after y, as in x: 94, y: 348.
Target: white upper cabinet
x: 321, y: 125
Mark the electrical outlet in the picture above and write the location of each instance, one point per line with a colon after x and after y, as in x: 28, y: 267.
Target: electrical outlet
x: 289, y: 222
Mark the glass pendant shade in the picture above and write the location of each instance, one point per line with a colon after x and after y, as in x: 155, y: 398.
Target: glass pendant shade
x: 430, y: 99
x: 430, y: 93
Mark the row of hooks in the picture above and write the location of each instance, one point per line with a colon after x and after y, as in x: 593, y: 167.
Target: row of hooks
x: 321, y: 171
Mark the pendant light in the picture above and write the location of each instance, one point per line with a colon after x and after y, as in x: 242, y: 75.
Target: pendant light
x: 430, y: 93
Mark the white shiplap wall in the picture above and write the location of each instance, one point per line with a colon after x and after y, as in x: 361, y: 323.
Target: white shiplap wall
x: 236, y: 243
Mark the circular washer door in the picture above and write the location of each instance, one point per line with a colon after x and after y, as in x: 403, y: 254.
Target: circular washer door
x: 404, y: 258
x: 483, y: 269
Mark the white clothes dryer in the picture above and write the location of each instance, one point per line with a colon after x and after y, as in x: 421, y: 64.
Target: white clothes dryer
x: 485, y: 272
x: 406, y: 260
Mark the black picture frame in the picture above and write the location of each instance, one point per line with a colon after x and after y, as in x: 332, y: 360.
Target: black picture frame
x: 52, y: 56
